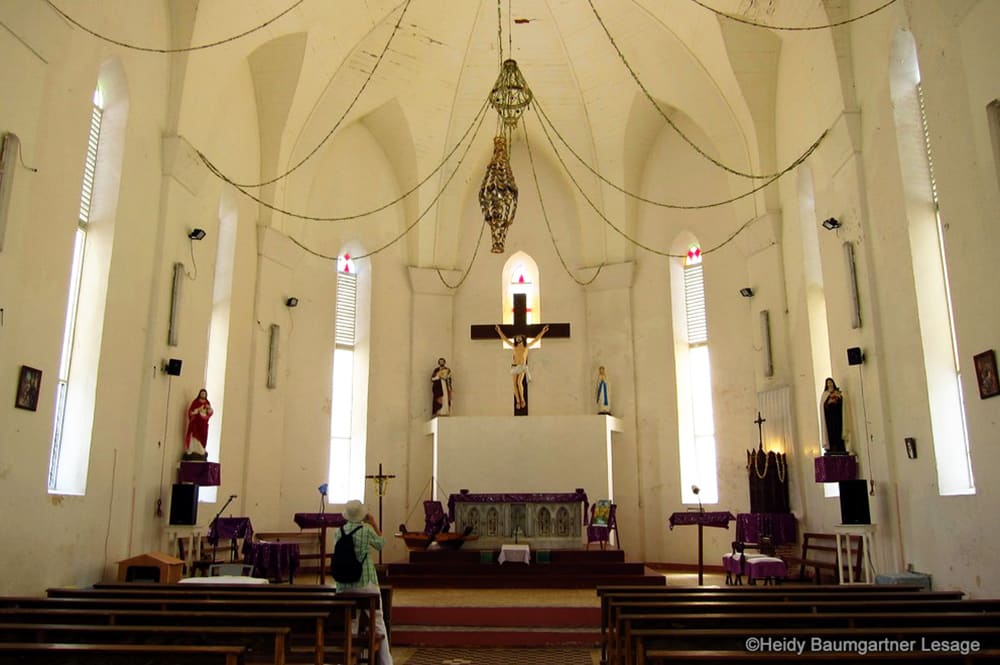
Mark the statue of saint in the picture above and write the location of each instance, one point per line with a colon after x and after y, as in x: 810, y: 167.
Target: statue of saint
x: 833, y: 411
x: 519, y: 362
x: 603, y: 396
x: 196, y: 437
x: 443, y: 391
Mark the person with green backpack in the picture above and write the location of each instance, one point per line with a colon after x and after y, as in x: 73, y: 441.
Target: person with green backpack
x: 353, y: 570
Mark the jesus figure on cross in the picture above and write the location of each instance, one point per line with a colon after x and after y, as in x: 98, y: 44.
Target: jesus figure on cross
x: 519, y: 362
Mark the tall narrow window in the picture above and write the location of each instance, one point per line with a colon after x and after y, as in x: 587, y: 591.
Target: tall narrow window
x: 930, y: 273
x: 218, y: 339
x: 520, y: 275
x: 347, y: 443
x: 696, y: 418
x: 70, y: 451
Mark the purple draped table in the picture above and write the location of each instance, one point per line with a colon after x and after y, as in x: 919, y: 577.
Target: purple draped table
x: 834, y: 468
x: 274, y: 560
x: 779, y: 527
x: 321, y: 521
x: 203, y: 474
x: 518, y: 497
x: 716, y: 518
x: 231, y: 528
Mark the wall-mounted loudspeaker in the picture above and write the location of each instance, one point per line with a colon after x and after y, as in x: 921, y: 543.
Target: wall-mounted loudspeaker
x: 855, y: 356
x: 854, y: 502
x: 173, y: 366
x: 184, y: 504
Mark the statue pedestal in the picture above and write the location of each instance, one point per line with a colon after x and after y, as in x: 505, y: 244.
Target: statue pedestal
x: 834, y: 468
x: 203, y: 474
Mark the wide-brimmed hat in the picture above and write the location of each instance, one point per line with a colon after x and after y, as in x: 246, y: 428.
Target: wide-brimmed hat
x: 355, y: 511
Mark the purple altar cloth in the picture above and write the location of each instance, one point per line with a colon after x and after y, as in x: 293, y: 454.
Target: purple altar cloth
x: 780, y: 527
x: 274, y: 560
x: 522, y: 497
x: 204, y: 474
x: 232, y: 528
x: 319, y: 520
x: 834, y: 468
x: 227, y: 528
x: 718, y: 518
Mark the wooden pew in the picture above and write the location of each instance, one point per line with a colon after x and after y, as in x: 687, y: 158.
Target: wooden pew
x: 364, y: 602
x: 663, y: 595
x: 819, y: 555
x: 914, y: 641
x: 263, y: 644
x: 763, y: 615
x: 654, y: 631
x: 215, y: 591
x: 309, y: 629
x: 118, y: 654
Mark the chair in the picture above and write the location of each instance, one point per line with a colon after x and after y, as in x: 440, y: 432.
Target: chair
x: 602, y: 523
x: 233, y: 568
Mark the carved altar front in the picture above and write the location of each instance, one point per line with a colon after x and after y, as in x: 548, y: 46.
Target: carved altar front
x: 543, y: 520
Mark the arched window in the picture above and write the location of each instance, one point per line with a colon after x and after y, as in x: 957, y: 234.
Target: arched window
x: 930, y: 273
x: 349, y: 410
x: 696, y: 417
x: 79, y: 361
x: 520, y: 275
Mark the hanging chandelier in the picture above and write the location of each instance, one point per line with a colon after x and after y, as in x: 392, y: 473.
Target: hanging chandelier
x: 498, y: 194
x: 510, y: 95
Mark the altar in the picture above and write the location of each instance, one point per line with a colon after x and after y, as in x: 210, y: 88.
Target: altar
x: 549, y: 520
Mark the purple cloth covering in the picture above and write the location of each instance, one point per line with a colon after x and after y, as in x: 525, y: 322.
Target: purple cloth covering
x: 834, y: 468
x: 718, y: 518
x: 758, y: 569
x: 319, y: 520
x: 232, y: 528
x: 525, y: 497
x: 204, y: 474
x: 274, y: 560
x: 779, y: 526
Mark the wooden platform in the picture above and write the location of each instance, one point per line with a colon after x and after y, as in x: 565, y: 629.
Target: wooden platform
x: 550, y: 569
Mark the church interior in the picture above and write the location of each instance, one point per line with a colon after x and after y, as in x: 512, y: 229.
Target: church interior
x: 300, y: 206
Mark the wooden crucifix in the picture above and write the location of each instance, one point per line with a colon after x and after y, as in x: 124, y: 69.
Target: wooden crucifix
x: 381, y: 489
x: 520, y: 327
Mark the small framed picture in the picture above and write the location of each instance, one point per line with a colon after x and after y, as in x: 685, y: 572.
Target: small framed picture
x: 986, y: 374
x: 28, y: 386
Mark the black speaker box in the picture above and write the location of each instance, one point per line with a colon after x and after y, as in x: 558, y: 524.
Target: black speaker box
x: 855, y: 356
x: 184, y: 504
x: 854, y: 502
x: 173, y: 367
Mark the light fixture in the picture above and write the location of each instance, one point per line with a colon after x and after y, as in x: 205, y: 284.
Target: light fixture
x: 196, y: 234
x: 292, y: 302
x: 746, y: 292
x: 498, y: 194
x: 831, y: 223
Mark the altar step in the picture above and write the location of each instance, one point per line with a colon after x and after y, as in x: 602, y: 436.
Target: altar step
x: 550, y: 569
x: 496, y: 626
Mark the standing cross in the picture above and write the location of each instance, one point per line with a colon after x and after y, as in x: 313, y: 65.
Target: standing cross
x: 520, y: 327
x: 760, y: 430
x: 381, y: 489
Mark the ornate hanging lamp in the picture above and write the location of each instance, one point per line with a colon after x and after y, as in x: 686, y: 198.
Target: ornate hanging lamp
x: 498, y: 194
x: 510, y: 96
